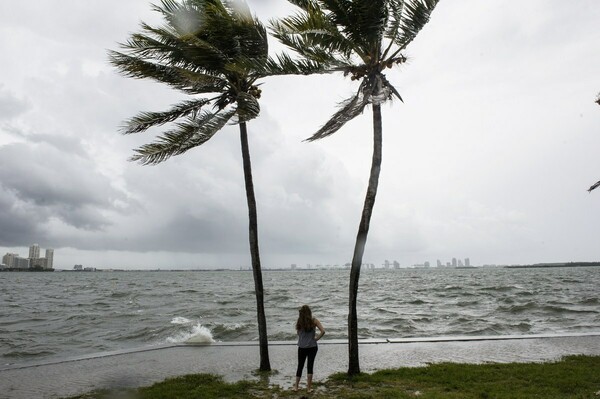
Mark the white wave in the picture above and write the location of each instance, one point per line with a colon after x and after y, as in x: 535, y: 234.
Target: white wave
x: 180, y: 320
x: 233, y: 326
x: 197, y: 335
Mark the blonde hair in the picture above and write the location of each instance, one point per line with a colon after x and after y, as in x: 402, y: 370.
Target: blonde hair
x: 305, y: 320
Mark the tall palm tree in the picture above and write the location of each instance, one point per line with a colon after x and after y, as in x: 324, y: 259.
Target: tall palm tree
x: 361, y: 39
x: 203, y: 49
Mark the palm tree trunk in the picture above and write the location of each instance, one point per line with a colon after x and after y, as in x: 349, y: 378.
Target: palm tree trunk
x: 265, y: 365
x: 361, y: 240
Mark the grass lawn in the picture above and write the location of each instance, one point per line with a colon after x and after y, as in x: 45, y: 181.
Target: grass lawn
x: 571, y: 377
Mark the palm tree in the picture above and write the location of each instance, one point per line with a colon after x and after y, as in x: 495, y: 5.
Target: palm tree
x: 203, y: 49
x: 361, y: 39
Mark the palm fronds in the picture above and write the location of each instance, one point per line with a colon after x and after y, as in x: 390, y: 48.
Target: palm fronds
x: 371, y: 91
x: 360, y: 38
x: 412, y: 18
x: 348, y: 110
x: 313, y: 36
x: 192, y: 132
x: 281, y: 64
x: 146, y: 120
x: 186, y: 80
x: 204, y: 47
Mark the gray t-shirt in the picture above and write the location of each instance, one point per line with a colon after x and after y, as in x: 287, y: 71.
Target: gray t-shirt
x: 306, y: 339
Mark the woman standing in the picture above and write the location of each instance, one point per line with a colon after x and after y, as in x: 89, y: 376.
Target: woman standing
x: 307, y: 344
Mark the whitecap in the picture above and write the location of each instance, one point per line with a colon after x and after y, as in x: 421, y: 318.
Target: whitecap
x: 180, y: 320
x: 198, y: 334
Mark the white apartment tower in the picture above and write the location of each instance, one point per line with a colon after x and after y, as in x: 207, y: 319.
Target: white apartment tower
x: 34, y: 251
x: 14, y: 261
x: 9, y: 260
x: 49, y: 258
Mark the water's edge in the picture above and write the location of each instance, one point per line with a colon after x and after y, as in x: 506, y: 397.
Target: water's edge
x: 369, y: 341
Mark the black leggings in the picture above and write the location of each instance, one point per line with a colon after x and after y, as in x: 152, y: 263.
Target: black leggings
x: 303, y: 353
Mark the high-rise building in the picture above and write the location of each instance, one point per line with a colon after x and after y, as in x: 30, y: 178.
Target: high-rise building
x: 9, y: 260
x: 454, y: 263
x: 467, y: 262
x: 34, y: 251
x: 49, y: 258
x: 439, y: 263
x: 21, y: 263
x: 14, y: 261
x: 38, y: 263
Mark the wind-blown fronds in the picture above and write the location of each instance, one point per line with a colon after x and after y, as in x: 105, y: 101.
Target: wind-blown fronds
x: 146, y: 120
x: 349, y: 109
x: 194, y: 131
x: 360, y: 38
x: 306, y: 5
x: 281, y: 64
x: 414, y: 15
x: 313, y: 36
x: 188, y: 81
x: 204, y: 47
x: 377, y: 90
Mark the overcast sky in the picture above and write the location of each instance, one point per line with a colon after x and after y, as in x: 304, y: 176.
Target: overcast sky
x: 489, y: 157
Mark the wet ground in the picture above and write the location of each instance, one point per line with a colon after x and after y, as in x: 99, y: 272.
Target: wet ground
x: 238, y: 360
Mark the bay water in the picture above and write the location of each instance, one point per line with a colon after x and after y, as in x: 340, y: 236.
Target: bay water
x: 50, y: 316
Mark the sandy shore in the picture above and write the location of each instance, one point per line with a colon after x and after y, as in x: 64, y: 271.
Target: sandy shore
x: 238, y: 360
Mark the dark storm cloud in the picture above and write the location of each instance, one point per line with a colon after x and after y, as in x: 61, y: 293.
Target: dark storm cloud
x: 39, y: 183
x: 214, y: 232
x: 18, y: 222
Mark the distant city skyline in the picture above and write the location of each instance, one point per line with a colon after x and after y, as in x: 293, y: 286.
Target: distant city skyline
x: 12, y: 260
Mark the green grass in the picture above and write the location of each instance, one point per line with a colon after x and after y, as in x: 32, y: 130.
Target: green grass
x: 571, y: 377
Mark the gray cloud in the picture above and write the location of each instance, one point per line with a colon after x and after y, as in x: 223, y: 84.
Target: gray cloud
x: 18, y: 222
x: 10, y: 105
x: 46, y: 183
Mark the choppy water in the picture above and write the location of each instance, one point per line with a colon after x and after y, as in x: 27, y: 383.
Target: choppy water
x: 56, y: 315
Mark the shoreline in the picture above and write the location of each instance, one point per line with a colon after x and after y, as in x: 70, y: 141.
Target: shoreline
x: 325, y: 342
x: 316, y: 269
x: 238, y: 361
